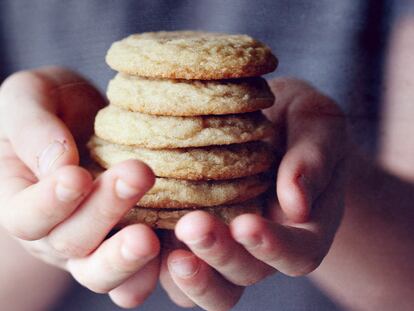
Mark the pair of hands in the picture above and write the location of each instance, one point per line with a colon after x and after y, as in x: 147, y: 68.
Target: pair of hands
x: 61, y: 215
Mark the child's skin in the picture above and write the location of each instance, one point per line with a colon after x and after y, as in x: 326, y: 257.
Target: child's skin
x: 60, y: 215
x: 369, y: 265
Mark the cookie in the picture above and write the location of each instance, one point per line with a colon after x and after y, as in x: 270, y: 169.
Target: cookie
x: 189, y: 98
x: 167, y: 218
x: 191, y: 55
x: 219, y: 162
x: 134, y: 128
x: 178, y: 193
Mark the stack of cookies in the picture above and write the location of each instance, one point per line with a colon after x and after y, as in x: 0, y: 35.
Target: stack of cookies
x: 188, y: 104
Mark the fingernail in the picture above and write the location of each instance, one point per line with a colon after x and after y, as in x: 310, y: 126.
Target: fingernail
x: 66, y: 194
x: 125, y: 191
x: 205, y: 242
x: 48, y: 157
x: 252, y: 241
x: 185, y: 267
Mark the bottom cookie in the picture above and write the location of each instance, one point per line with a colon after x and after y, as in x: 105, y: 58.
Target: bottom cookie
x: 162, y: 218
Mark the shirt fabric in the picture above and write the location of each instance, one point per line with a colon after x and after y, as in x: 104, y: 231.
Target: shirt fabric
x: 336, y: 45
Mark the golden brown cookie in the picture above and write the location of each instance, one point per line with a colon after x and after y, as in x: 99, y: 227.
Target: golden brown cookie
x: 178, y: 193
x: 133, y: 128
x: 217, y: 162
x: 191, y: 55
x: 167, y: 218
x: 189, y: 98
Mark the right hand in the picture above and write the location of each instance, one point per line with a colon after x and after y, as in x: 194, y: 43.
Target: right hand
x: 52, y: 205
x: 214, y: 262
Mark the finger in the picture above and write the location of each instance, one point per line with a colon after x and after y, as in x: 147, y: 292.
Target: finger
x: 210, y: 240
x: 172, y: 290
x: 116, y: 260
x: 169, y: 243
x: 36, y: 113
x: 14, y: 174
x: 315, y: 144
x: 293, y: 250
x: 79, y: 101
x: 134, y: 291
x: 35, y: 209
x: 204, y: 286
x: 114, y: 193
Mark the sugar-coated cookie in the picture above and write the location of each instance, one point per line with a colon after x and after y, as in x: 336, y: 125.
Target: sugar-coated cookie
x: 217, y: 162
x: 133, y: 128
x: 178, y: 193
x: 189, y: 98
x: 191, y: 55
x: 167, y: 218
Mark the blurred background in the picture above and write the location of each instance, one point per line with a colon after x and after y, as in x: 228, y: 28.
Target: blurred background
x: 338, y: 46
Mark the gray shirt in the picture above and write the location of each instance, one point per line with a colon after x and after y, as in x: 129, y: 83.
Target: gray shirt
x: 336, y: 45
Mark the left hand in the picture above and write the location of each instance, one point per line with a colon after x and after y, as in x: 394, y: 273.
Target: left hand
x: 51, y: 205
x: 299, y: 230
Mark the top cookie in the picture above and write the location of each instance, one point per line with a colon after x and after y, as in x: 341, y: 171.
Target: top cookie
x: 191, y: 55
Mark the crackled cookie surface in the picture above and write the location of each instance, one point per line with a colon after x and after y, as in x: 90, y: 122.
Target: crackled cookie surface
x: 218, y: 162
x: 177, y: 193
x: 170, y: 193
x: 133, y: 128
x: 167, y: 218
x: 189, y: 98
x: 191, y: 55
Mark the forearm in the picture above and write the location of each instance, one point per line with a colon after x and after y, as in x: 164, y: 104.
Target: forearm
x: 370, y: 265
x: 26, y: 283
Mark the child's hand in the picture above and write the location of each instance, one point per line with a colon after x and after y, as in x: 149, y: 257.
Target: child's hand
x: 300, y: 229
x: 52, y: 205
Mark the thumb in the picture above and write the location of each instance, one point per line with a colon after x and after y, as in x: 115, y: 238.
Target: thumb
x: 30, y: 109
x: 315, y: 145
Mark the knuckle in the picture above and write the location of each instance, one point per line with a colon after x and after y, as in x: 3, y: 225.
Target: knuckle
x: 48, y: 213
x: 7, y: 175
x: 119, y: 267
x: 93, y: 285
x: 68, y: 249
x: 97, y: 288
x: 19, y: 230
x: 247, y: 281
x: 87, y: 279
x: 132, y: 300
x: 221, y: 259
x: 114, y: 262
x: 198, y: 290
x: 271, y: 253
x: 315, y: 169
x: 22, y: 233
x: 256, y: 277
x: 273, y: 259
x: 107, y: 213
x: 311, y: 265
x: 40, y: 250
x: 312, y: 104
